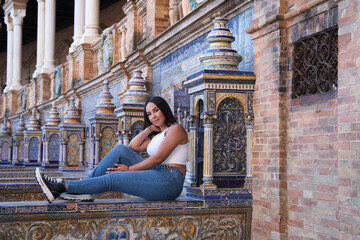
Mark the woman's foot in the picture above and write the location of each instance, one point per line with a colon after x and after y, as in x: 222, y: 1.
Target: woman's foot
x: 51, y: 188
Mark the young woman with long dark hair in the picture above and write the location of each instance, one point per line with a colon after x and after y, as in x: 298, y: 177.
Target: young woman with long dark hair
x: 158, y: 177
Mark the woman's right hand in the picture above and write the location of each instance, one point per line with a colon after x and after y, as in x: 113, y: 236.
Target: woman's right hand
x: 153, y: 128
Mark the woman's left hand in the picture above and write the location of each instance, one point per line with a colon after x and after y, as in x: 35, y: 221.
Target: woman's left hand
x: 118, y: 168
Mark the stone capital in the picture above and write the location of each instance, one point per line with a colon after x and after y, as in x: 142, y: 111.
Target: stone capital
x: 18, y: 16
x: 9, y: 22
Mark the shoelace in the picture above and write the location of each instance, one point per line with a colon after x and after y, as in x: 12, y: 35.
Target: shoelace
x: 52, y: 180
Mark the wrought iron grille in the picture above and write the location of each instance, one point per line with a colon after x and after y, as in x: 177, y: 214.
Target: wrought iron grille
x: 315, y: 63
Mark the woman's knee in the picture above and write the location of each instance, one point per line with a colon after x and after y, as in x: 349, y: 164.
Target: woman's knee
x: 121, y: 148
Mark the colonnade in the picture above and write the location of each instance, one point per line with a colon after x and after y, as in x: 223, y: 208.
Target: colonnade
x: 86, y: 30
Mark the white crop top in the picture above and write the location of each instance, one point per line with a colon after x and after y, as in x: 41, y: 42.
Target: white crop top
x: 178, y: 156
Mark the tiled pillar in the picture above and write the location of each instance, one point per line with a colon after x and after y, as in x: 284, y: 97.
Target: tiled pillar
x: 50, y: 18
x: 10, y: 40
x: 249, y: 138
x: 97, y: 148
x: 192, y: 175
x: 40, y: 37
x: 18, y: 16
x: 92, y: 18
x: 62, y: 153
x: 208, y: 169
x: 79, y: 23
x: 45, y: 151
x: 120, y: 138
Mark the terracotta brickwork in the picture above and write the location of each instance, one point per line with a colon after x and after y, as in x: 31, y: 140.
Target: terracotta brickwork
x: 306, y: 150
x: 349, y: 120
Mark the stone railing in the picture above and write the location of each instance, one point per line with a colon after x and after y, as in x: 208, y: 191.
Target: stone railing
x: 180, y: 8
x: 111, y: 48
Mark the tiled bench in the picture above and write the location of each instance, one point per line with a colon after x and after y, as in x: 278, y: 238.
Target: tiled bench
x: 184, y: 218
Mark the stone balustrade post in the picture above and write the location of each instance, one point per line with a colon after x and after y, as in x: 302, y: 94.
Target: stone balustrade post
x: 123, y: 44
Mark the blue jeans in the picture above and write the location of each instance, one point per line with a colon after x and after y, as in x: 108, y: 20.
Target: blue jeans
x: 158, y: 183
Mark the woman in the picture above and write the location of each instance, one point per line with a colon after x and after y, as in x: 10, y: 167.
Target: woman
x: 159, y: 177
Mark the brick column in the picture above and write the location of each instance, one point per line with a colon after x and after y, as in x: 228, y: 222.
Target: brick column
x: 349, y: 119
x: 269, y: 150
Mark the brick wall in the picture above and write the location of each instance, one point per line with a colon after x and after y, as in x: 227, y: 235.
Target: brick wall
x: 269, y: 165
x: 349, y: 120
x: 306, y: 164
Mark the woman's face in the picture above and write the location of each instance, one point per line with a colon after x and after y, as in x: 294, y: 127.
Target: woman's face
x: 155, y: 115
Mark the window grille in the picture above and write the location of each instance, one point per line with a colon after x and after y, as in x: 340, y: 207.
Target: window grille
x: 315, y: 63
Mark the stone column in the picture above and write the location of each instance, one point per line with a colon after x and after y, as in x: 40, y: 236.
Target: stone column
x: 192, y: 167
x: 126, y: 138
x: 81, y: 159
x: 120, y: 138
x: 62, y: 159
x: 26, y: 151
x: 45, y: 151
x: 39, y: 152
x: 18, y: 16
x: 15, y: 158
x: 40, y: 37
x: 79, y: 23
x: 92, y: 19
x: 49, y: 54
x: 208, y: 169
x: 97, y: 150
x: 249, y: 141
x: 10, y: 40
